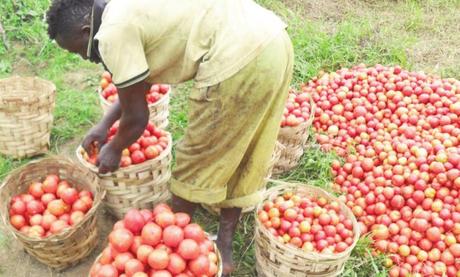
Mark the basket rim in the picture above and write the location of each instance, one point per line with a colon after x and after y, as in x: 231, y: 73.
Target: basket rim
x: 99, y: 195
x: 158, y: 103
x: 310, y: 118
x: 308, y: 255
x: 24, y: 97
x: 127, y: 169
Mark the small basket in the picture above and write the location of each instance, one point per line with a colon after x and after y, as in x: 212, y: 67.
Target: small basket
x: 219, y: 259
x: 136, y: 186
x: 71, y: 245
x: 159, y: 111
x: 275, y: 157
x: 26, y: 116
x: 294, y: 140
x: 276, y: 259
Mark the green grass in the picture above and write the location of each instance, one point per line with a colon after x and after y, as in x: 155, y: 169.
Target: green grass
x: 327, y: 35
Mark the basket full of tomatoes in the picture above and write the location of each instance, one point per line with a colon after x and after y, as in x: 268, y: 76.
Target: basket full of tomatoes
x: 157, y: 98
x: 157, y: 243
x: 298, y: 116
x: 302, y: 230
x: 50, y: 206
x: 145, y: 169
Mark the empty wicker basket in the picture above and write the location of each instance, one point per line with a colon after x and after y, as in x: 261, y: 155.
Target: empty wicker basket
x: 72, y: 245
x: 294, y: 140
x: 136, y: 186
x: 26, y: 107
x: 276, y: 259
x: 159, y: 111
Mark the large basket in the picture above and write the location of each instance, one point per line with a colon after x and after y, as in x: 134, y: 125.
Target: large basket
x: 71, y: 245
x: 294, y: 140
x: 159, y: 111
x: 26, y: 107
x: 219, y: 259
x: 136, y: 186
x: 275, y: 157
x: 276, y: 259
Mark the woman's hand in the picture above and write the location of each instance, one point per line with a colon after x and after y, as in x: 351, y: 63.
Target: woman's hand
x: 97, y: 136
x: 108, y: 159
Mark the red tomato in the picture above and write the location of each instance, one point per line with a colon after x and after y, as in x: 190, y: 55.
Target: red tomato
x: 57, y: 207
x: 143, y: 252
x: 182, y: 219
x: 35, y: 207
x: 132, y: 266
x: 188, y: 249
x: 151, y: 234
x: 36, y: 190
x: 76, y: 217
x: 121, y: 259
x: 195, y: 232
x: 50, y: 185
x: 158, y: 259
x: 161, y: 208
x: 137, y: 157
x: 121, y: 239
x: 18, y: 221
x: 176, y: 264
x: 172, y: 236
x: 69, y: 195
x: 58, y: 226
x: 134, y: 221
x: 80, y: 205
x: 18, y: 207
x: 165, y: 219
x: 61, y: 187
x: 107, y: 270
x: 200, y: 266
x: 47, y: 221
x: 47, y: 198
x: 147, y: 215
x: 161, y: 273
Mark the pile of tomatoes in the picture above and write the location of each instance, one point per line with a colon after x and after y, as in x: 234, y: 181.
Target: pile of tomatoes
x: 157, y: 244
x: 297, y: 109
x: 313, y: 224
x: 398, y: 133
x: 149, y: 146
x: 49, y: 207
x: 109, y: 90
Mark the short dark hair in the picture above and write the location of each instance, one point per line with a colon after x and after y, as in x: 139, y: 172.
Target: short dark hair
x: 63, y: 15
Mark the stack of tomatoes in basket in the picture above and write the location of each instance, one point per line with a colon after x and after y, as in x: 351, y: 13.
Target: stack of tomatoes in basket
x: 49, y: 207
x: 157, y: 244
x: 149, y: 146
x: 110, y: 93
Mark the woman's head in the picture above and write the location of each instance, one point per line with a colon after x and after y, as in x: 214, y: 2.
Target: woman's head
x: 69, y: 23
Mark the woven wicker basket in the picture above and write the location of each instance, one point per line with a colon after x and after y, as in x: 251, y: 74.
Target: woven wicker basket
x: 159, y: 111
x: 275, y: 157
x: 26, y: 107
x: 275, y: 259
x: 72, y: 245
x: 219, y: 260
x: 136, y: 186
x: 294, y: 140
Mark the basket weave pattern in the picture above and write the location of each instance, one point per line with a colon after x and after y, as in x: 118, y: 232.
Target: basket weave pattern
x: 26, y: 106
x: 137, y: 186
x: 276, y: 259
x: 72, y: 245
x: 159, y: 111
x: 294, y: 140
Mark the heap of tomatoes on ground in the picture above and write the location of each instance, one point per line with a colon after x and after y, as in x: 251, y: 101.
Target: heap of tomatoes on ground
x: 49, y: 207
x: 156, y: 244
x: 398, y: 135
x: 149, y: 146
x: 110, y: 93
x: 314, y: 224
